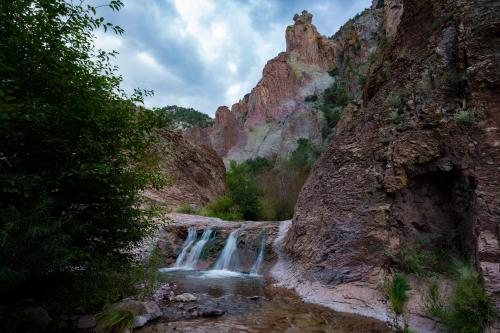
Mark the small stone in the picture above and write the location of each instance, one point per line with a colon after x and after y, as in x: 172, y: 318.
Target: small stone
x: 213, y: 313
x: 140, y: 321
x: 185, y: 298
x: 86, y: 322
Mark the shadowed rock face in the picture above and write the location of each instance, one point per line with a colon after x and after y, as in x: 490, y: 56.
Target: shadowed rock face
x: 194, y: 174
x: 269, y: 121
x: 381, y: 184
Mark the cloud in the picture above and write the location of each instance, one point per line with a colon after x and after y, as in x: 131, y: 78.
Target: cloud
x: 206, y: 53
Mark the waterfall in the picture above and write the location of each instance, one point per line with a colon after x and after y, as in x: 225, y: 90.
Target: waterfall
x: 191, y: 237
x: 194, y: 255
x: 225, y: 257
x: 258, y: 262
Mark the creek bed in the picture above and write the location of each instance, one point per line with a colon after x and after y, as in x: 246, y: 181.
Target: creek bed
x: 250, y: 304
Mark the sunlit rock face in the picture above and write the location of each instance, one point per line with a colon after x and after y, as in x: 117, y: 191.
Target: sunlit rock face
x: 270, y: 119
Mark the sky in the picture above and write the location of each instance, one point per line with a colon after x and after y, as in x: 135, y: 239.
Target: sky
x: 207, y: 53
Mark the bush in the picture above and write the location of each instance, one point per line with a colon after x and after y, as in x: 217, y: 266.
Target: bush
x: 423, y: 260
x: 336, y: 95
x: 397, y: 118
x: 311, y: 98
x: 332, y: 115
x: 76, y: 152
x: 305, y: 155
x: 258, y: 164
x: 465, y: 117
x: 280, y: 190
x: 470, y: 309
x: 114, y: 320
x: 397, y: 293
x: 222, y: 207
x: 434, y: 305
x: 186, y: 209
x: 333, y: 72
x: 392, y: 100
x: 243, y: 190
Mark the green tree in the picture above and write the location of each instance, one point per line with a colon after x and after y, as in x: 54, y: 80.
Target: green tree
x: 75, y: 150
x: 243, y: 190
x: 180, y: 117
x: 305, y: 155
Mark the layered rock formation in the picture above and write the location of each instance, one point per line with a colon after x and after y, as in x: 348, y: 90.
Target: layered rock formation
x: 194, y: 174
x: 418, y: 161
x: 269, y: 121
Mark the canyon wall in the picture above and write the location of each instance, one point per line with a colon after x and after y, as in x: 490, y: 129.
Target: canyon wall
x: 270, y: 119
x: 417, y: 161
x: 194, y: 175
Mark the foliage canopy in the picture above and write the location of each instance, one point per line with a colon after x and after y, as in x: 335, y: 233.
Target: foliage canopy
x: 75, y: 149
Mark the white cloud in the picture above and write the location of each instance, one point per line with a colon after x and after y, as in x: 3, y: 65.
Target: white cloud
x: 149, y: 61
x: 205, y: 53
x: 108, y: 42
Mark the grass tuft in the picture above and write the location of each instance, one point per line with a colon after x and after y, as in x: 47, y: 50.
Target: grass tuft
x: 397, y: 293
x: 113, y: 320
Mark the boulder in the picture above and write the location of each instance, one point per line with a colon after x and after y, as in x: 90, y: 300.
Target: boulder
x: 86, y: 322
x: 186, y: 297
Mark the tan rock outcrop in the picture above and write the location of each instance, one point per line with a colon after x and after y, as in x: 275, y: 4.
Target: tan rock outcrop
x: 194, y: 174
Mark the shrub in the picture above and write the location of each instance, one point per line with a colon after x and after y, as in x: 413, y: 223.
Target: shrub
x: 434, y: 304
x: 280, y: 190
x: 332, y: 116
x: 465, y: 117
x: 258, y: 164
x: 114, y: 320
x: 186, y: 209
x: 243, y: 190
x: 397, y: 118
x: 418, y: 259
x: 333, y: 72
x: 392, y: 100
x: 469, y: 309
x: 148, y: 275
x: 311, y: 98
x: 397, y: 293
x: 336, y: 95
x: 305, y: 155
x: 222, y: 207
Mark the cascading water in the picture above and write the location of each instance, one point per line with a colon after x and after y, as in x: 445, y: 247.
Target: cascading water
x: 194, y: 255
x: 260, y: 258
x: 225, y: 257
x: 191, y: 237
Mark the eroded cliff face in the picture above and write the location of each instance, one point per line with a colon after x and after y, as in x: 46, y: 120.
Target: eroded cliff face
x: 409, y: 165
x: 194, y: 174
x: 270, y: 119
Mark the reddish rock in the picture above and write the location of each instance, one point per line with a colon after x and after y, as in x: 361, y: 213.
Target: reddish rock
x: 194, y: 174
x: 269, y: 121
x: 380, y: 185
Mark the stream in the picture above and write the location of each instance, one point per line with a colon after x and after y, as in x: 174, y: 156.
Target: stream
x: 228, y: 300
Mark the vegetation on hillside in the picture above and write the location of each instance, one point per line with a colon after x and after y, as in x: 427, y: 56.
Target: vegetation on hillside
x: 182, y: 118
x: 262, y: 189
x: 76, y: 151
